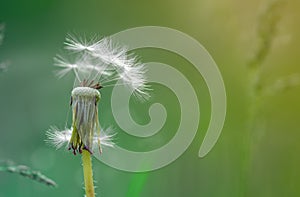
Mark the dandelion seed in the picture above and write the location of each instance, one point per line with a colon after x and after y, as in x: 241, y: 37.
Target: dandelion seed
x: 103, y: 61
x: 59, y: 138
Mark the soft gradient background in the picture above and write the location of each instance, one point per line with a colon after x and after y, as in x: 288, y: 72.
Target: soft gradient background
x: 32, y: 99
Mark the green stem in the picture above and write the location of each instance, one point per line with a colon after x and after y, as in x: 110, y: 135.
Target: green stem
x: 88, y: 174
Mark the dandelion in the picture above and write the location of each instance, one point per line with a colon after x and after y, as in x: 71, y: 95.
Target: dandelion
x: 96, y: 64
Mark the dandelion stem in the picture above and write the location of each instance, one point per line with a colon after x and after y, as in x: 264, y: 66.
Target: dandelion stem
x: 88, y: 173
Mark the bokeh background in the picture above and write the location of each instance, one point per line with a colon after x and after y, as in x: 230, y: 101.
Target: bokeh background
x: 258, y: 151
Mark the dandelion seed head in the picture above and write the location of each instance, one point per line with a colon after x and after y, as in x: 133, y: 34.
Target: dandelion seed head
x: 85, y: 91
x: 104, y: 61
x: 96, y: 64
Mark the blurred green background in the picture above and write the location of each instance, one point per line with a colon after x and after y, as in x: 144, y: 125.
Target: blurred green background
x: 257, y: 157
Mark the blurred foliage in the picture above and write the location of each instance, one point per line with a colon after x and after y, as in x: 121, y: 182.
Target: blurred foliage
x: 3, y: 65
x: 1, y: 32
x: 9, y: 166
x: 266, y: 29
